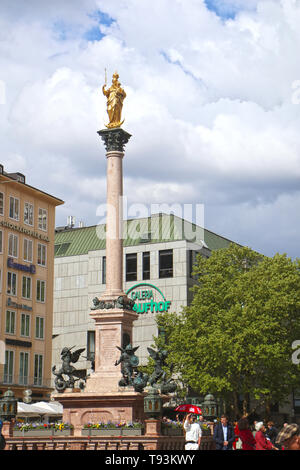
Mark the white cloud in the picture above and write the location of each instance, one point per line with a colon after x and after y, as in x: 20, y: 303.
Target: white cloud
x: 211, y: 106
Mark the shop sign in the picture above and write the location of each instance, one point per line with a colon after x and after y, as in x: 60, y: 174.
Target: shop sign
x: 148, y: 298
x: 25, y: 231
x: 11, y: 303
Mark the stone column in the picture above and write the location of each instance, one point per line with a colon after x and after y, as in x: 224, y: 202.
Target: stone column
x: 114, y: 141
x: 113, y: 315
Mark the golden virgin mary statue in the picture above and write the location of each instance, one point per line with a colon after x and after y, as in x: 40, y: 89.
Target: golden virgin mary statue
x: 115, y: 97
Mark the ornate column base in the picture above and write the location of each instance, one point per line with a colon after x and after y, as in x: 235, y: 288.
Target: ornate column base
x: 113, y: 327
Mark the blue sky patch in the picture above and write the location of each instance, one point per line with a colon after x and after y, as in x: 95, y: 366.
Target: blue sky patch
x: 93, y: 34
x: 223, y: 9
x: 64, y: 30
x: 101, y: 18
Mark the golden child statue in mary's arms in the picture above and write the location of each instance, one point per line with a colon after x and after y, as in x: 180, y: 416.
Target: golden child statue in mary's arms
x: 115, y: 97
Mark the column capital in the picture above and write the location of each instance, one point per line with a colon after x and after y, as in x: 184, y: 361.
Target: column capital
x: 114, y: 139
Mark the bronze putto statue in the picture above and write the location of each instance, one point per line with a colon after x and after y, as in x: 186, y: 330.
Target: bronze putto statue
x: 61, y: 381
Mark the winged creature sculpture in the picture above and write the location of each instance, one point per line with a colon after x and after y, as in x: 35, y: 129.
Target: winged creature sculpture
x: 159, y: 377
x: 129, y: 362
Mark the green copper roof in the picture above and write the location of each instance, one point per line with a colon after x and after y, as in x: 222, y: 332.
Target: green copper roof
x: 158, y: 228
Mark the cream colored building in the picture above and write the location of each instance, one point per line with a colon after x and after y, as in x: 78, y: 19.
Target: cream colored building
x: 27, y: 227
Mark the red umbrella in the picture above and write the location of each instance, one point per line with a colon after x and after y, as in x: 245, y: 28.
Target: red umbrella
x: 189, y: 409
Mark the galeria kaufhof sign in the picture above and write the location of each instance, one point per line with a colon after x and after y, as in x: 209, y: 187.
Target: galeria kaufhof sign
x: 148, y: 298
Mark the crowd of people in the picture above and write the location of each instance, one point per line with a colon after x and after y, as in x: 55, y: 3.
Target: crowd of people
x: 242, y: 436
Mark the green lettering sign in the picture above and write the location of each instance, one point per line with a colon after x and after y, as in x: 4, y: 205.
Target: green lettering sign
x: 143, y: 298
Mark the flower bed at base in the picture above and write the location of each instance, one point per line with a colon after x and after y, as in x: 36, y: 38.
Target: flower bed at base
x: 42, y: 429
x: 172, y: 428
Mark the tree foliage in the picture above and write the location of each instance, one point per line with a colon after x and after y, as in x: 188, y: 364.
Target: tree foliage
x: 235, y: 338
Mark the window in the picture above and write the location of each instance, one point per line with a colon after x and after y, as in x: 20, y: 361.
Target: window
x: 1, y: 204
x: 10, y: 322
x: 61, y: 249
x: 296, y: 397
x: 13, y: 245
x: 1, y: 241
x: 39, y: 327
x: 42, y: 250
x: 25, y: 325
x: 104, y: 270
x: 146, y: 265
x: 40, y: 290
x: 131, y: 267
x: 38, y: 369
x: 11, y: 283
x: 26, y: 287
x: 24, y: 367
x: 0, y: 280
x: 165, y: 263
x: 28, y: 250
x: 125, y: 340
x: 28, y: 213
x: 9, y: 367
x: 42, y: 220
x: 14, y: 205
x: 192, y: 261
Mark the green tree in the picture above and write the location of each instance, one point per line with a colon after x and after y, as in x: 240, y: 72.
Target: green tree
x: 235, y: 338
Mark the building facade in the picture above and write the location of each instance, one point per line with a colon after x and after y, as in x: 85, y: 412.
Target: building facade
x: 27, y: 228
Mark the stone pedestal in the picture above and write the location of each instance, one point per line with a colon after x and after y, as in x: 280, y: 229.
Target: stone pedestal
x: 111, y: 327
x: 84, y: 407
x: 152, y: 427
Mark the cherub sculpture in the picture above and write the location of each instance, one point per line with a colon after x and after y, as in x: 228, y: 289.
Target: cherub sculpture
x: 67, y: 357
x: 159, y: 358
x: 129, y: 362
x: 131, y: 375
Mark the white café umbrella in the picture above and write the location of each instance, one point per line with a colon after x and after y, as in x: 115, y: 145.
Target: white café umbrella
x: 25, y: 409
x: 52, y: 408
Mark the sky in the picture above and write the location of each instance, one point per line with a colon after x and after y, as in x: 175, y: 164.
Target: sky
x: 213, y: 107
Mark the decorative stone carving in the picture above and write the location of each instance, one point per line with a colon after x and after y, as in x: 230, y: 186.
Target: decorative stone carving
x: 114, y: 139
x: 121, y: 302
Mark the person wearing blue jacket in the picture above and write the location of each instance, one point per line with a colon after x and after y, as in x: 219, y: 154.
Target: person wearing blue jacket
x: 224, y: 435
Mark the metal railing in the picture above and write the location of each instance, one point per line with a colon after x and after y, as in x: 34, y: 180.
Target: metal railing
x: 109, y: 443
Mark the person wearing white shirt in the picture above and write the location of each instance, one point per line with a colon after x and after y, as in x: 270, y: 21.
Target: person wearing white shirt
x: 193, y: 433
